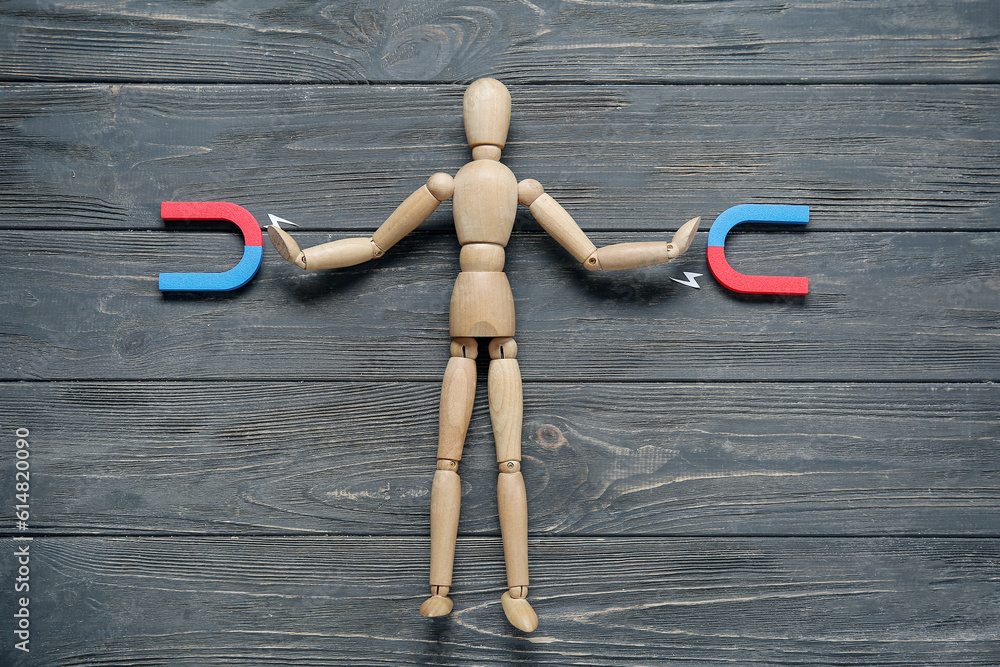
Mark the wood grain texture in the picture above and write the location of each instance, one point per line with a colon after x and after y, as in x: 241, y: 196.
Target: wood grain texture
x: 383, y: 41
x: 882, y: 306
x: 639, y: 601
x: 244, y: 478
x: 707, y: 459
x: 617, y: 157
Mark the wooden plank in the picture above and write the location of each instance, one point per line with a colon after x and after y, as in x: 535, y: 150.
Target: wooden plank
x: 882, y: 307
x: 716, y: 41
x: 618, y: 157
x: 353, y: 601
x: 654, y: 459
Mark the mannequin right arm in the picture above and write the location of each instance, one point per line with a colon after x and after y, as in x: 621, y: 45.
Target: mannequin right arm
x: 348, y: 252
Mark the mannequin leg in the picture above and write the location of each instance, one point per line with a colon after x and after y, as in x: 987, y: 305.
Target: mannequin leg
x: 506, y: 413
x: 457, y: 393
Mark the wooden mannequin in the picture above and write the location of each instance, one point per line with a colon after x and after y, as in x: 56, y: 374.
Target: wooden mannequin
x: 485, y: 195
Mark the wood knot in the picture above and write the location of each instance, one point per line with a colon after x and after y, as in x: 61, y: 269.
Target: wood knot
x: 550, y: 437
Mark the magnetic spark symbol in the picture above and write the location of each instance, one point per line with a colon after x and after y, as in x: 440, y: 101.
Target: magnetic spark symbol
x: 690, y: 280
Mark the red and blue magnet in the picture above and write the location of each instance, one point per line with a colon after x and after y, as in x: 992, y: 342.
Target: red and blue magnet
x: 738, y: 282
x: 239, y: 275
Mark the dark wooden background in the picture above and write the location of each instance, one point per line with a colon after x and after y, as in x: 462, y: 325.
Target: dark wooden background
x: 243, y: 478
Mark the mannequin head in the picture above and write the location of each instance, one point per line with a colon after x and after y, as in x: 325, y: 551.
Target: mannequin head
x: 486, y: 111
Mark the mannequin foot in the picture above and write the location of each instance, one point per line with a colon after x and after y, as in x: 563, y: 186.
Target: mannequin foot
x: 437, y: 604
x: 518, y: 610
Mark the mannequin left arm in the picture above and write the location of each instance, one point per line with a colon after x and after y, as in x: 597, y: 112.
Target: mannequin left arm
x: 560, y: 225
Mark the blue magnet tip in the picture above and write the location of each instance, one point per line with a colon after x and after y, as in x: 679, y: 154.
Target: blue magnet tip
x: 236, y: 277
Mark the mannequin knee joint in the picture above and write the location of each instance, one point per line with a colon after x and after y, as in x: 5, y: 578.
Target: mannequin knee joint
x: 510, y: 467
